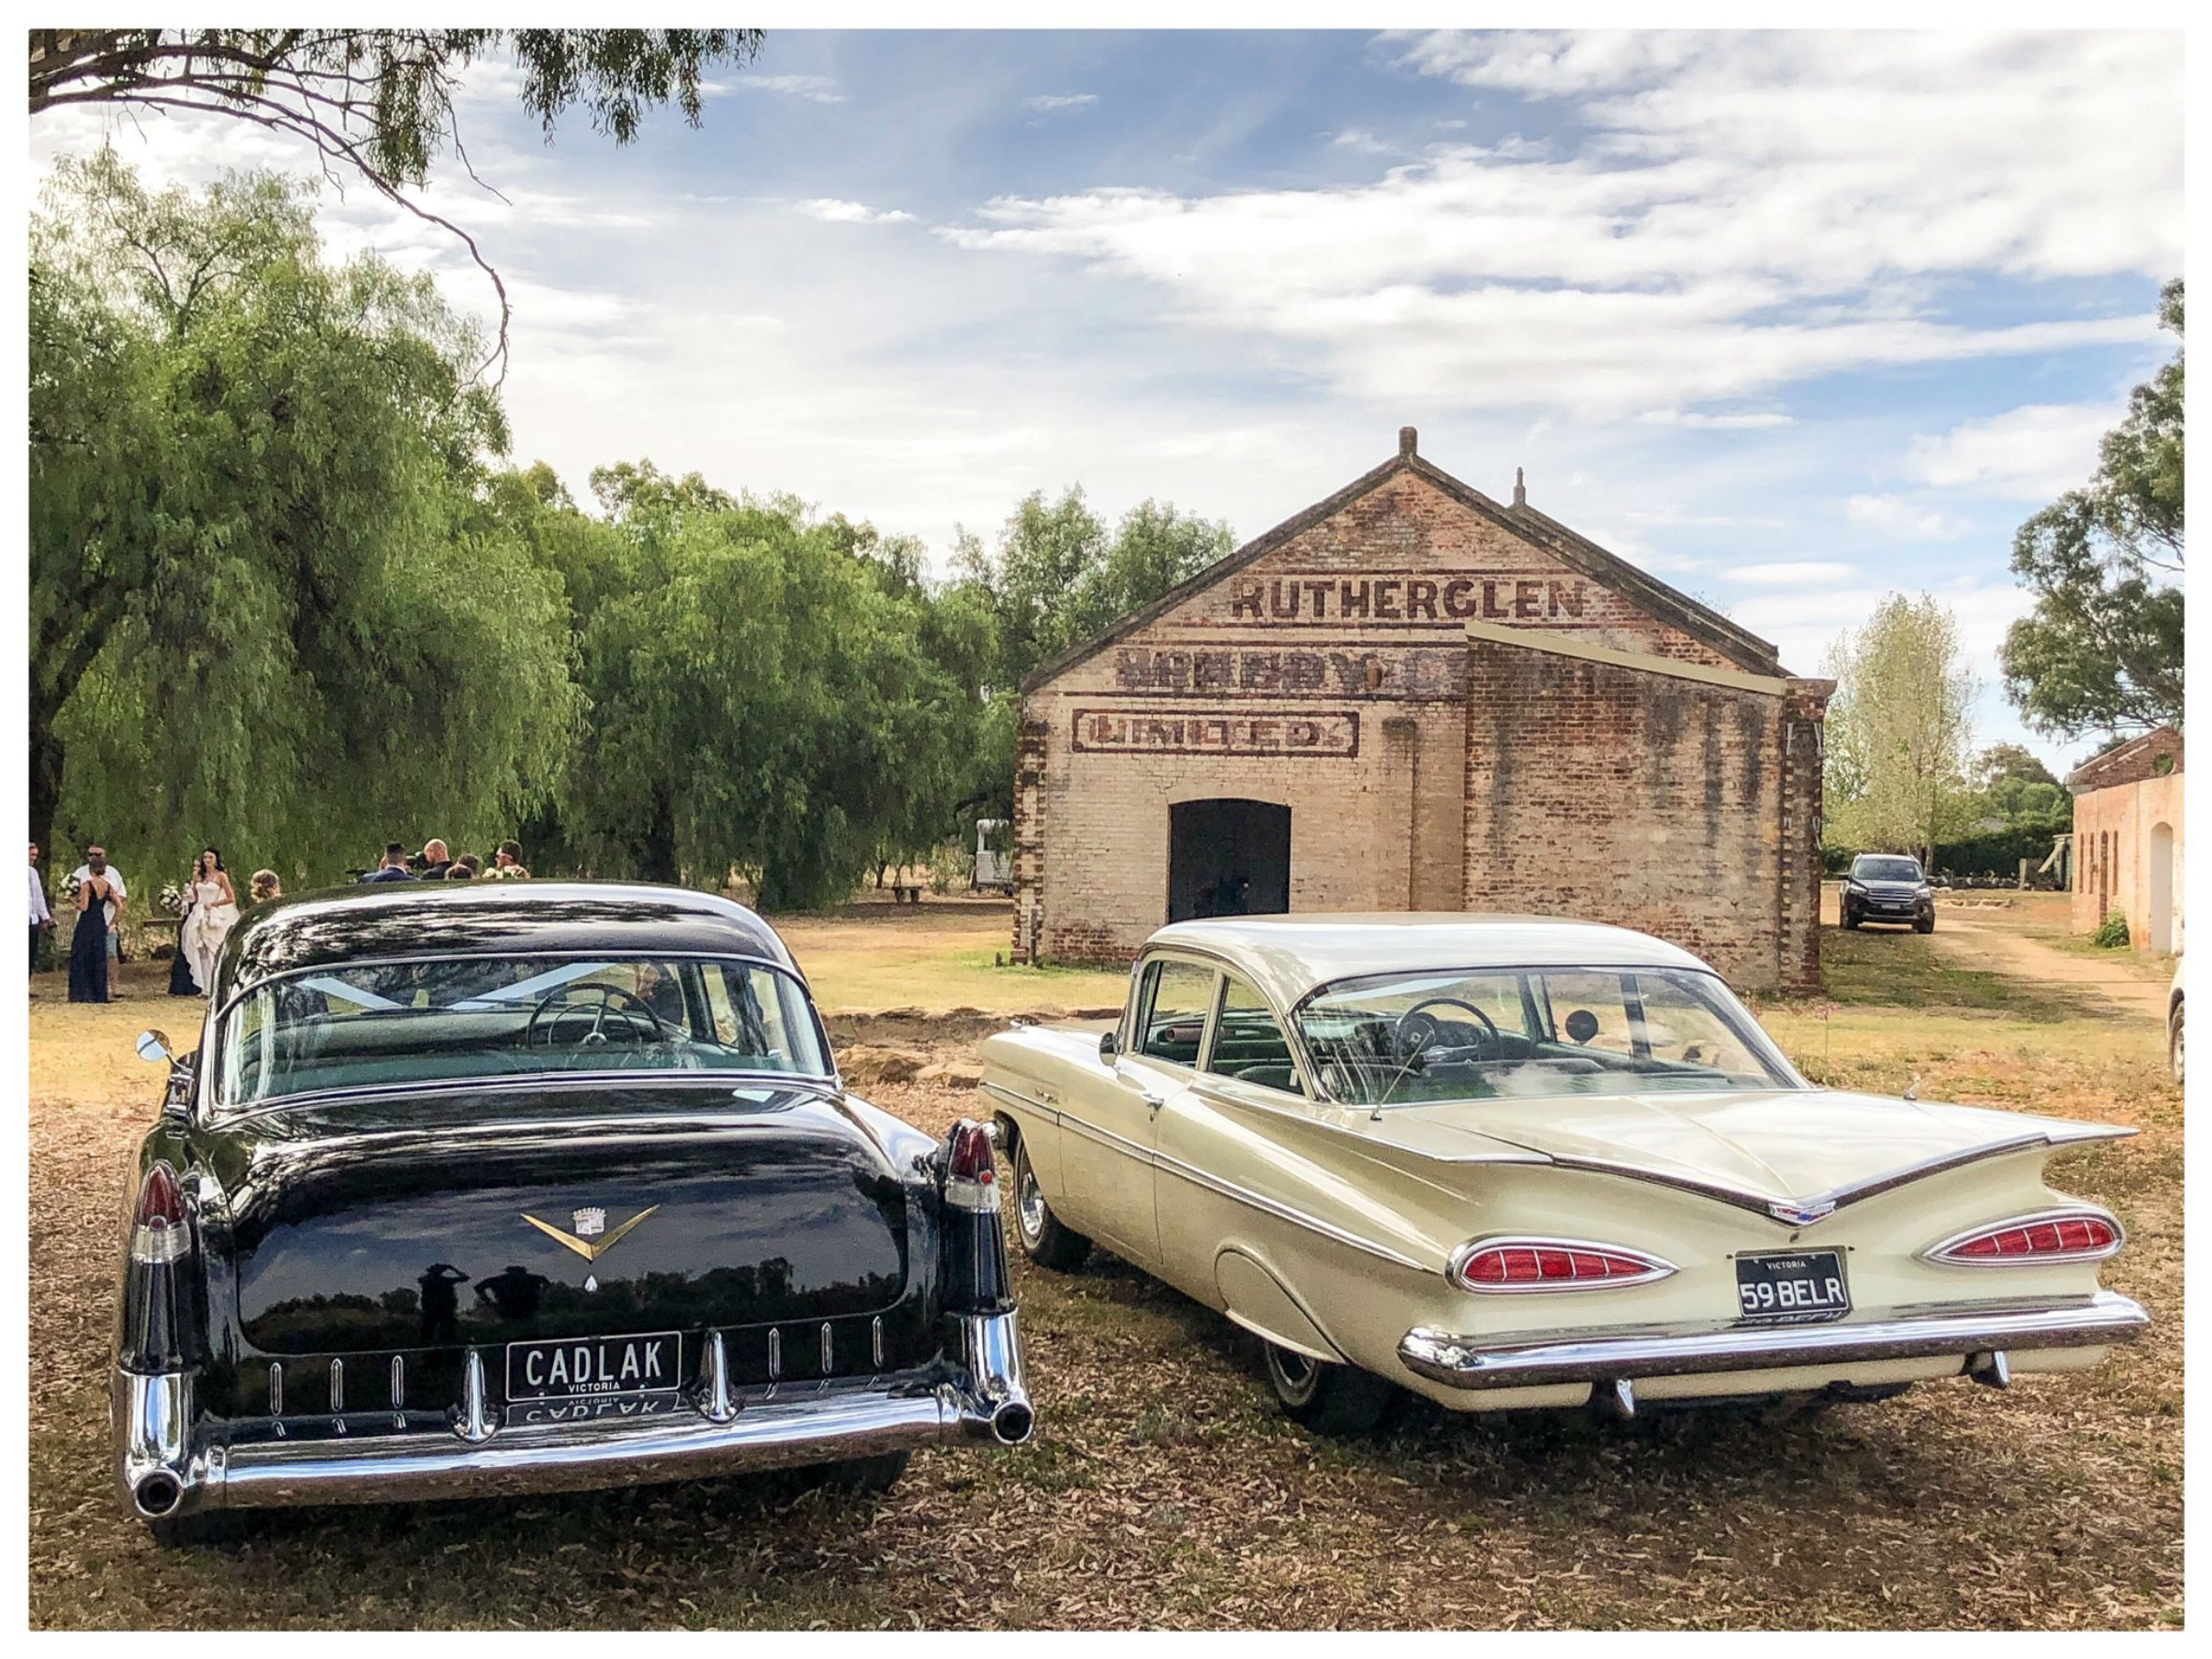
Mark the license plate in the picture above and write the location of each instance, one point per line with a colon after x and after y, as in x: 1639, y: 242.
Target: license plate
x: 1803, y: 1286
x: 592, y: 1368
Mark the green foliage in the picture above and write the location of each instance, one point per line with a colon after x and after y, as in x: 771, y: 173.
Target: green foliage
x: 2112, y: 933
x: 381, y: 98
x: 2102, y: 648
x: 1897, y: 730
x: 1056, y: 578
x: 261, y: 601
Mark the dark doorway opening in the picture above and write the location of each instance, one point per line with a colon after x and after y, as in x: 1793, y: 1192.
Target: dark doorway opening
x: 1227, y: 858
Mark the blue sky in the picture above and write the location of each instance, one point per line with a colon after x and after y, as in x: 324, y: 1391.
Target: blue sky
x: 1791, y: 320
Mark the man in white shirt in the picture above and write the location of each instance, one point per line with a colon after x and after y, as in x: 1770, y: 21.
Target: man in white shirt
x: 41, y: 912
x: 114, y: 906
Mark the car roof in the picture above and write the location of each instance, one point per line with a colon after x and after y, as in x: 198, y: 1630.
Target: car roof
x: 522, y: 918
x: 1287, y: 956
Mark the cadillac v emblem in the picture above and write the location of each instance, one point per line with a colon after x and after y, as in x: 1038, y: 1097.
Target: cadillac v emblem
x: 1801, y: 1215
x: 588, y: 1224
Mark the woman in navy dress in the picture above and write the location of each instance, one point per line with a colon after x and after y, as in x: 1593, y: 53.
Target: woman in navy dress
x: 88, y: 945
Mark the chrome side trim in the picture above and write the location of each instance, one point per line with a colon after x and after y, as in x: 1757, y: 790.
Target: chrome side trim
x: 776, y: 1354
x: 275, y: 1388
x: 1283, y: 1212
x: 875, y: 1341
x: 1016, y: 1097
x: 399, y: 1382
x: 828, y: 1350
x: 1107, y: 1138
x: 1527, y: 1360
x: 2080, y: 1212
x: 338, y: 1387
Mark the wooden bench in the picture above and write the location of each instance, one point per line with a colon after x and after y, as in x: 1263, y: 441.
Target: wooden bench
x: 906, y: 892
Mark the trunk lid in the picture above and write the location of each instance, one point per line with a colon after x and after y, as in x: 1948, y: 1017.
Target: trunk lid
x: 502, y: 1216
x: 1762, y: 1148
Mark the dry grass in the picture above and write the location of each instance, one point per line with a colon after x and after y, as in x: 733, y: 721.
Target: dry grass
x: 1163, y: 1490
x: 939, y: 956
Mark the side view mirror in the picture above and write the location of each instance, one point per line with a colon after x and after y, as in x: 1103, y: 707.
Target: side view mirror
x: 153, y: 1047
x: 1108, y: 1048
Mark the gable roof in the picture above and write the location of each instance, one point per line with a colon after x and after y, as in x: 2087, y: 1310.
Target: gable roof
x: 1578, y: 552
x: 2129, y: 763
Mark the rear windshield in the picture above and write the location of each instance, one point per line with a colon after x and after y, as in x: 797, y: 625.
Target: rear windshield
x: 1886, y: 869
x: 368, y: 1024
x: 1481, y: 1034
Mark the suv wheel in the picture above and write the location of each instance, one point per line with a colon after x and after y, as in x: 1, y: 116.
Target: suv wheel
x: 2173, y: 1041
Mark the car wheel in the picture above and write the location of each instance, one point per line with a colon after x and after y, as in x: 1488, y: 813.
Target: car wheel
x: 1850, y: 918
x: 2173, y: 1041
x: 1327, y: 1399
x: 1924, y: 924
x: 1044, y: 1240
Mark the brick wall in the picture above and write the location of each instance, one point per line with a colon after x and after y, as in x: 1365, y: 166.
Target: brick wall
x: 1330, y: 675
x: 2116, y: 843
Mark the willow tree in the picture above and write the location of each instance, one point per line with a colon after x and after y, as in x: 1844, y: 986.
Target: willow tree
x: 768, y: 695
x: 264, y: 610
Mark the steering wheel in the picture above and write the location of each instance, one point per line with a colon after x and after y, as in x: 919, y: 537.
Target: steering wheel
x: 1416, y: 1032
x: 568, y: 1002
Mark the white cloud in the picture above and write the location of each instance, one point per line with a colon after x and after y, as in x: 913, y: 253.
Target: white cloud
x: 1659, y: 266
x: 1053, y: 103
x: 1801, y: 573
x: 819, y: 89
x: 1746, y: 422
x: 1366, y: 144
x: 2030, y: 454
x: 833, y: 211
x: 1902, y: 520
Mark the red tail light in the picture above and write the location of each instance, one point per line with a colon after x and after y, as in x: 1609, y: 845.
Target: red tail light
x: 1552, y: 1264
x: 971, y: 1168
x: 159, y: 1232
x: 2061, y: 1236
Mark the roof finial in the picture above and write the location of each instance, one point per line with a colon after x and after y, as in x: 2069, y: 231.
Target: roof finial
x: 1520, y: 490
x: 1408, y: 440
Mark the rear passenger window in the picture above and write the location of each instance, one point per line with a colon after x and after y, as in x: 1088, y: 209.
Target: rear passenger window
x: 1248, y: 1044
x: 1174, y: 1017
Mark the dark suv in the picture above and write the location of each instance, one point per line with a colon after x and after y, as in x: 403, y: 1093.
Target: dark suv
x: 1889, y: 887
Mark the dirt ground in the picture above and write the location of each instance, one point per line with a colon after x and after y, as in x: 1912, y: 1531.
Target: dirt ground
x: 1162, y: 1490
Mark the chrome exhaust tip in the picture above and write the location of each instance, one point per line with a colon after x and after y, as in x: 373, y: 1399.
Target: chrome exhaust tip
x: 158, y: 1494
x: 1012, y: 1423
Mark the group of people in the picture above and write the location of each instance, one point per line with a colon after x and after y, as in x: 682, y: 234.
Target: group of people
x: 437, y: 863
x: 101, y: 898
x: 211, y: 909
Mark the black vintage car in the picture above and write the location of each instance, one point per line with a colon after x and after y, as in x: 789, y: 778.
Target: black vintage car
x: 1888, y: 887
x: 510, y: 1187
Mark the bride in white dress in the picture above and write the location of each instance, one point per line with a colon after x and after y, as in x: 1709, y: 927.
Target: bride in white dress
x: 214, y: 912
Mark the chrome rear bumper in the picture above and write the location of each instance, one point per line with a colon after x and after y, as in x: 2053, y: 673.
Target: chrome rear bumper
x: 168, y: 1464
x: 1537, y: 1359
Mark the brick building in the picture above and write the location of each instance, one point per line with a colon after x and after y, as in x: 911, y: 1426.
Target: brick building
x: 2128, y: 841
x: 1412, y: 697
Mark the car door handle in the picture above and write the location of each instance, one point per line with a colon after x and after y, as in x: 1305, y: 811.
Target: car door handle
x: 1154, y: 1101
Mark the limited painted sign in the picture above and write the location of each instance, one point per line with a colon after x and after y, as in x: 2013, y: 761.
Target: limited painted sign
x: 1143, y: 731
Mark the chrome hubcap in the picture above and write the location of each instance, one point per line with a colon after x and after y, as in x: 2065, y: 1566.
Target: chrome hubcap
x: 1029, y: 1204
x: 1294, y: 1372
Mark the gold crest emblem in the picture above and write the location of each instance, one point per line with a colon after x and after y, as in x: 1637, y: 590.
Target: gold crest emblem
x: 590, y: 1252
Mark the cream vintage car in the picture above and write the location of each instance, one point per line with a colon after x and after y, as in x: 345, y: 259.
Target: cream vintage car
x: 1507, y: 1162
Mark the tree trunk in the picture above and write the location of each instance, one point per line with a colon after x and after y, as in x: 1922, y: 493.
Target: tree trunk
x: 659, y: 841
x: 46, y: 775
